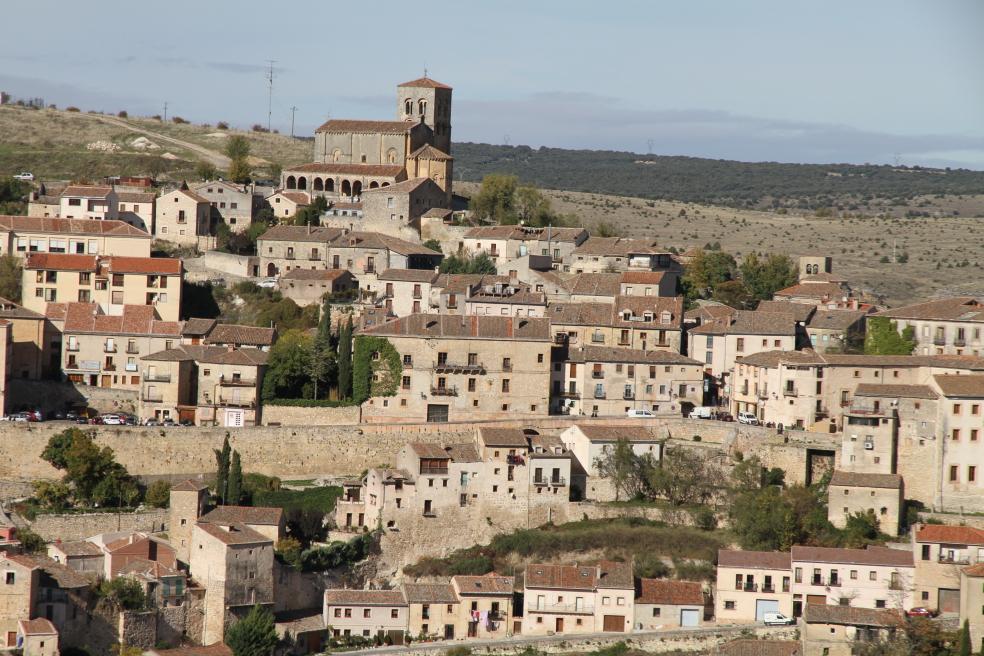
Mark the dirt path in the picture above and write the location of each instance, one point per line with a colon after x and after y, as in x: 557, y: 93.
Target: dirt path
x: 218, y: 160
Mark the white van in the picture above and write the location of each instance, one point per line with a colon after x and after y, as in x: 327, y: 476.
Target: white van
x: 777, y: 619
x: 748, y: 418
x: 702, y: 412
x: 640, y: 414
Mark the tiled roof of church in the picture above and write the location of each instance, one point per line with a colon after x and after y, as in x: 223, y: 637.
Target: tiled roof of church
x: 425, y: 82
x: 385, y: 127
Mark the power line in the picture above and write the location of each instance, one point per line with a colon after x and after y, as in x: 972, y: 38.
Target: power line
x: 270, y: 96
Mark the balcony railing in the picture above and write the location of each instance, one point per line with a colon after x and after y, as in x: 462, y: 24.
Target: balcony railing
x: 507, y: 366
x: 960, y: 341
x: 895, y: 585
x: 556, y: 481
x: 237, y: 403
x: 768, y: 588
x: 236, y: 382
x: 458, y: 368
x: 628, y: 395
x: 939, y: 341
x: 156, y: 377
x: 749, y: 587
x: 575, y: 609
x: 109, y: 348
x: 597, y: 339
x: 515, y: 460
x: 444, y: 391
x: 408, y: 365
x: 599, y: 394
x: 598, y: 374
x: 789, y: 391
x: 72, y: 347
x: 433, y: 471
x: 368, y: 269
x: 959, y: 560
x: 569, y: 394
x: 109, y: 367
x: 132, y: 350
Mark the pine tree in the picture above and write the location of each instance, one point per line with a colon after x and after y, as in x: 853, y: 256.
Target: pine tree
x: 235, y: 490
x: 345, y: 360
x: 254, y: 635
x: 963, y: 646
x: 222, y: 472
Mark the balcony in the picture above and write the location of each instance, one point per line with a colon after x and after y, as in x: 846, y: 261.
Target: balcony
x: 939, y: 340
x: 408, y: 365
x: 430, y: 513
x: 768, y: 588
x: 960, y: 341
x: 109, y: 348
x: 417, y: 295
x: 444, y: 391
x: 109, y: 367
x: 561, y: 339
x: 598, y: 374
x: 628, y: 395
x: 555, y: 481
x: 597, y: 339
x: 896, y: 585
x: 789, y: 391
x: 624, y: 342
x: 152, y: 399
x: 569, y: 394
x: 959, y: 560
x: 156, y: 377
x: 236, y: 403
x: 236, y: 382
x: 434, y: 470
x: 749, y: 587
x: 132, y: 350
x: 290, y: 256
x: 573, y: 609
x: 368, y: 269
x: 599, y: 394
x: 515, y: 460
x: 458, y: 368
x: 72, y: 347
x: 507, y: 366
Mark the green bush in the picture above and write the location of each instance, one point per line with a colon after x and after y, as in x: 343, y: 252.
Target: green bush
x: 311, y: 403
x: 158, y: 494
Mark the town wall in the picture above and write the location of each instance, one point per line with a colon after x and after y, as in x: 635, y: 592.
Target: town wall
x: 52, y: 396
x: 79, y: 526
x: 288, y: 415
x: 138, y: 629
x: 234, y: 265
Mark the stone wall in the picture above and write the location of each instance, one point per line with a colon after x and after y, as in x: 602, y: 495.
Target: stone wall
x: 451, y: 237
x: 53, y: 396
x: 288, y: 415
x: 138, y: 629
x: 78, y: 526
x: 235, y: 265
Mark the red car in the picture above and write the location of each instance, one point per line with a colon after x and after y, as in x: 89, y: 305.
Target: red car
x: 920, y: 611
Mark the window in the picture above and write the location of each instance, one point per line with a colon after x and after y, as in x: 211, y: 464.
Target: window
x: 741, y: 344
x: 10, y: 578
x: 971, y: 474
x: 956, y: 434
x: 505, y: 384
x: 872, y: 576
x: 879, y: 603
x: 729, y: 605
x: 954, y: 476
x: 656, y: 612
x: 366, y: 612
x: 394, y: 613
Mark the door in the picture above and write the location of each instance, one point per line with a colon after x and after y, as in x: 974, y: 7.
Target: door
x: 763, y: 606
x: 449, y: 631
x: 559, y: 625
x: 437, y: 413
x: 234, y: 418
x: 949, y: 600
x: 689, y: 617
x: 613, y: 623
x: 105, y: 381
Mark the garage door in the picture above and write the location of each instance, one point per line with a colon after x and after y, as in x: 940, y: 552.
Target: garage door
x: 614, y: 623
x: 816, y: 599
x: 689, y: 617
x: 437, y: 413
x: 949, y: 600
x: 763, y: 606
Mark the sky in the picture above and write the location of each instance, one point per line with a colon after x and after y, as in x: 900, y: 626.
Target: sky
x: 879, y: 81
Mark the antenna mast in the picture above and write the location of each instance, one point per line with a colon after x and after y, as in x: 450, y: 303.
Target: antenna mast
x: 270, y: 94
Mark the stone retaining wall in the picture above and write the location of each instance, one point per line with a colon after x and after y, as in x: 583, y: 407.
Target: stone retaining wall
x: 79, y: 526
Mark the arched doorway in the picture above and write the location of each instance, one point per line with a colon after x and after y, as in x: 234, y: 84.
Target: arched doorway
x: 356, y: 188
x: 271, y: 270
x: 330, y: 184
x: 373, y: 185
x: 346, y: 188
x: 318, y: 185
x: 302, y: 182
x: 386, y: 184
x: 291, y: 182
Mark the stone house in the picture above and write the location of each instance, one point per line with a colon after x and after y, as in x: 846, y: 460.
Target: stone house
x: 163, y: 585
x: 648, y: 283
x: 58, y: 594
x: 402, y: 203
x: 121, y: 549
x: 610, y: 381
x: 105, y: 350
x: 959, y: 433
x: 406, y: 291
x: 589, y: 443
x: 429, y: 162
x: 233, y: 204
x: 721, y: 342
x: 268, y: 522
x: 184, y: 217
x: 941, y: 552
x: 465, y: 368
x: 137, y: 209
x: 601, y: 254
x: 366, y: 254
x: 759, y: 647
x: 234, y: 564
x: 310, y: 287
x: 30, y: 341
x: 876, y: 577
x: 111, y: 282
x: 18, y: 594
x: 846, y: 630
x: 572, y: 599
x: 367, y: 613
x: 98, y: 202
x: 341, y: 181
x: 286, y: 203
x: 635, y: 322
x: 80, y: 555
x: 285, y: 247
x: 449, y: 290
x: 834, y: 330
x: 852, y: 492
x: 972, y: 602
x: 506, y: 300
x: 188, y: 501
x: 432, y: 610
x: 819, y: 291
x: 664, y: 603
x: 37, y: 637
x: 506, y: 243
x: 486, y: 605
x: 22, y: 235
x: 751, y: 584
x: 949, y: 326
x: 781, y: 387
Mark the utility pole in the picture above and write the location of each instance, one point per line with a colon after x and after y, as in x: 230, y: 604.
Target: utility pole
x: 165, y: 111
x: 270, y: 94
x: 292, y: 110
x: 650, y: 144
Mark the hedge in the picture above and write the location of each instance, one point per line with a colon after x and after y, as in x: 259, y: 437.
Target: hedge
x: 311, y: 403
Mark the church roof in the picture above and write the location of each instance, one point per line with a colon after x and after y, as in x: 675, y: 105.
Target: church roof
x: 425, y: 82
x: 428, y: 151
x: 384, y: 127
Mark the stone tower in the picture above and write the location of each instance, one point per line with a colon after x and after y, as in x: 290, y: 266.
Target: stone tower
x: 430, y: 101
x: 188, y: 501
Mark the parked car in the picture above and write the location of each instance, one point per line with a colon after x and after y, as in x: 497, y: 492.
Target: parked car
x: 25, y: 176
x: 20, y: 417
x: 267, y: 283
x: 725, y: 416
x: 748, y: 418
x: 777, y: 619
x: 110, y: 419
x: 152, y: 422
x: 702, y: 412
x: 921, y: 611
x: 640, y: 413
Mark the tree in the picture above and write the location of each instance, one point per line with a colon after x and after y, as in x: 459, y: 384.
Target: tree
x: 52, y: 495
x: 240, y: 171
x: 480, y: 263
x: 123, y: 593
x: 10, y: 278
x: 763, y: 278
x: 619, y: 464
x: 254, y: 635
x: 433, y: 244
x: 682, y: 477
x: 237, y: 147
x: 732, y: 293
x: 311, y: 214
x: 92, y: 472
x: 706, y: 271
x: 345, y: 360
x: 123, y: 649
x: 288, y: 366
x: 235, y: 490
x: 324, y: 365
x: 495, y: 200
x: 606, y: 229
x: 158, y: 494
x: 883, y: 338
x: 30, y: 541
x: 13, y: 194
x: 963, y: 646
x: 206, y: 171
x: 222, y: 461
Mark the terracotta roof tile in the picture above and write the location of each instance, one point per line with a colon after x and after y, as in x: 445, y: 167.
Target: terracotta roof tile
x: 595, y: 284
x: 668, y: 592
x: 230, y: 333
x: 217, y: 649
x: 61, y: 262
x: 464, y: 327
x: 750, y: 323
x: 800, y: 311
x: 638, y: 306
x: 370, y: 170
x: 408, y: 275
x: 136, y: 196
x: 37, y: 224
x: 851, y: 615
x: 974, y: 570
x: 197, y: 327
x: 857, y: 479
x: 404, y: 187
x: 642, y: 277
x: 616, y: 354
x: 429, y: 593
x: 756, y: 647
x: 87, y: 318
x: 356, y: 239
x: 428, y: 151
x: 488, y: 584
x: 618, y: 247
x: 37, y: 626
x: 252, y: 515
x: 818, y: 290
x: 897, y: 391
x: 870, y: 556
x: 341, y: 126
x: 957, y: 308
x: 78, y: 548
x: 754, y: 559
x: 773, y: 359
x: 87, y: 191
x: 824, y: 319
x: 961, y: 386
x: 233, y: 534
x: 148, y: 265
x: 11, y: 310
x: 944, y: 534
x: 613, y: 433
x: 365, y: 598
x: 506, y: 437
x: 709, y: 312
x: 565, y: 577
x: 198, y: 198
x: 425, y: 82
x: 284, y: 232
x: 615, y: 575
x: 189, y: 485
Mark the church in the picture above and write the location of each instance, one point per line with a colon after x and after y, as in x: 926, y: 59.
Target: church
x: 353, y: 157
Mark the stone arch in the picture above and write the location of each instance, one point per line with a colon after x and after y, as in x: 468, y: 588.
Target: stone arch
x: 330, y: 184
x: 336, y: 155
x: 302, y: 182
x: 391, y: 155
x: 318, y: 185
x: 357, y: 188
x: 422, y: 107
x: 408, y: 107
x: 373, y: 185
x: 271, y: 270
x: 346, y: 188
x: 291, y: 182
x: 386, y: 184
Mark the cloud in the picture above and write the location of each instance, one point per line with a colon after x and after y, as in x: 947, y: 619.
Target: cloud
x: 590, y: 121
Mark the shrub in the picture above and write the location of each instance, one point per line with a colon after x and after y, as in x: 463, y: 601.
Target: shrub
x: 72, y: 109
x: 124, y: 593
x: 158, y: 494
x: 177, y: 120
x: 704, y: 518
x: 222, y: 125
x: 122, y: 114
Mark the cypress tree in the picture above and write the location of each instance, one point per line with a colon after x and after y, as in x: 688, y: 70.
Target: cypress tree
x: 963, y: 646
x: 222, y: 471
x: 345, y: 360
x: 324, y: 324
x: 235, y: 494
